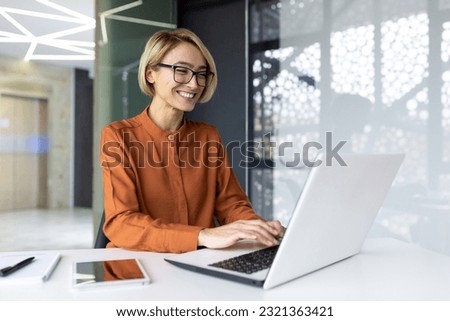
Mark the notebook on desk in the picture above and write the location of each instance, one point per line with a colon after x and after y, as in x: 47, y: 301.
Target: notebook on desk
x: 39, y: 270
x: 329, y: 223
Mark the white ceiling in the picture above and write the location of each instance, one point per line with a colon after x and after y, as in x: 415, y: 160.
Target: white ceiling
x: 59, y: 32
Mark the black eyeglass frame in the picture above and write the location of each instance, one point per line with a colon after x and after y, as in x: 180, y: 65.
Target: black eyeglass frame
x: 209, y: 74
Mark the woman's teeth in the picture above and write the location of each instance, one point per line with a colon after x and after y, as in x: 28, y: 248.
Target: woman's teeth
x: 186, y: 95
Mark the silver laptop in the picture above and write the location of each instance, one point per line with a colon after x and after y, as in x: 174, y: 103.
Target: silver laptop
x: 329, y: 223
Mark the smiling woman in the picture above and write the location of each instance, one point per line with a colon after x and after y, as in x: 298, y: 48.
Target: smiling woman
x: 172, y: 208
x: 178, y: 80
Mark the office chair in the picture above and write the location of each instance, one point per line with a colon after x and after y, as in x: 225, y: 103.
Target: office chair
x: 101, y: 241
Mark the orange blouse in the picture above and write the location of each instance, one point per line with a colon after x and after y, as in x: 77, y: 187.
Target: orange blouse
x: 162, y: 187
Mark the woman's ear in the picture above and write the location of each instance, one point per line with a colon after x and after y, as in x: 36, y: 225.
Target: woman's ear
x: 149, y: 76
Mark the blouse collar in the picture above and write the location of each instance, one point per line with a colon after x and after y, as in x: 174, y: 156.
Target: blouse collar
x: 154, y: 130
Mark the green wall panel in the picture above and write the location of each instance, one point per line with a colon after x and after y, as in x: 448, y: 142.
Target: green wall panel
x: 123, y: 28
x: 120, y: 41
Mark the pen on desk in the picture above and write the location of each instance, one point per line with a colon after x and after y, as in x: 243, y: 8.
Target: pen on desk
x: 10, y: 269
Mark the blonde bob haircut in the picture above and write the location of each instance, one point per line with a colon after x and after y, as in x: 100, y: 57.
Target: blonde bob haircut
x: 159, y: 45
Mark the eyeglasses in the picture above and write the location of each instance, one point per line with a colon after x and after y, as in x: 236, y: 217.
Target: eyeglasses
x: 183, y: 75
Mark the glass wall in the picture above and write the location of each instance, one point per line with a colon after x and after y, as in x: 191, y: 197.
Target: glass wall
x: 371, y: 73
x: 123, y: 28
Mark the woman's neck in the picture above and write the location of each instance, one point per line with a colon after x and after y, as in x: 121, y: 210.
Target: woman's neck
x: 166, y: 118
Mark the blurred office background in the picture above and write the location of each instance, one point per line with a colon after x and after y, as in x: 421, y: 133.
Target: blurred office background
x: 375, y: 73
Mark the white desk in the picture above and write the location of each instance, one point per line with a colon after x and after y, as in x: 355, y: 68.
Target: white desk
x: 386, y: 269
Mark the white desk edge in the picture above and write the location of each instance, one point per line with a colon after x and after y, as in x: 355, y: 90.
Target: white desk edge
x: 386, y: 269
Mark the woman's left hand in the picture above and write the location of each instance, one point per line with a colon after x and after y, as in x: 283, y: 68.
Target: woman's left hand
x: 267, y: 233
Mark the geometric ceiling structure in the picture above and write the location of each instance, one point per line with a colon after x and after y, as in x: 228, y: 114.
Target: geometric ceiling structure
x: 60, y: 31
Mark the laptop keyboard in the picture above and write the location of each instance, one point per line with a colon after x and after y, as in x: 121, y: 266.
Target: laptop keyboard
x: 251, y: 262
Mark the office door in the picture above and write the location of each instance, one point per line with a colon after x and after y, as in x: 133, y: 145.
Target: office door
x: 23, y: 152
